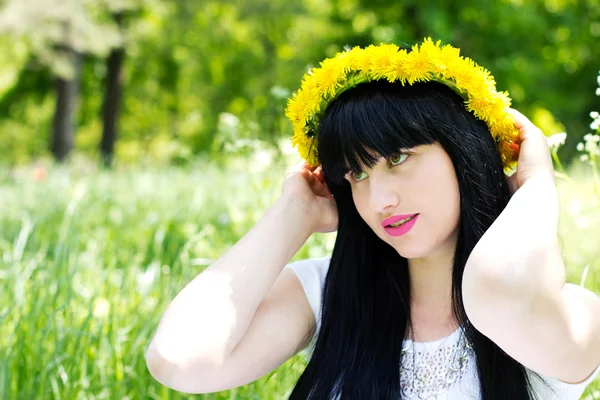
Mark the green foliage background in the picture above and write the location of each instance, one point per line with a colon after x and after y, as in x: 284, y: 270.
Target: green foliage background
x: 191, y: 64
x: 90, y: 258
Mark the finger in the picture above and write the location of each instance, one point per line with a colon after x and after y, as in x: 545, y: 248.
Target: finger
x: 521, y: 121
x: 309, y: 167
x: 525, y: 127
x: 298, y: 167
x: 319, y: 174
x: 321, y: 189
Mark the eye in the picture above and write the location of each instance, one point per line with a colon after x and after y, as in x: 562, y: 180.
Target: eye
x: 356, y: 175
x: 397, y: 158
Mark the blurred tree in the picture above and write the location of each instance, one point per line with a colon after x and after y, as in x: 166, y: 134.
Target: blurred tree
x: 67, y: 90
x: 112, y: 97
x: 179, y: 78
x: 58, y: 32
x: 118, y: 11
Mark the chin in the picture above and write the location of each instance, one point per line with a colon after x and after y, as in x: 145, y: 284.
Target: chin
x: 410, y: 251
x: 410, y: 254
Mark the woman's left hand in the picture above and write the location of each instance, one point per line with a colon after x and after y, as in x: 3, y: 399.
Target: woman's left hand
x: 534, y: 159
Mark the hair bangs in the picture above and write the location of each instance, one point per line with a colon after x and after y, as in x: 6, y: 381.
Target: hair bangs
x: 367, y: 122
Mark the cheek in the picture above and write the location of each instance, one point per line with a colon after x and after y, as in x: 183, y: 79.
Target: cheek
x: 438, y: 195
x: 447, y: 199
x: 361, y: 202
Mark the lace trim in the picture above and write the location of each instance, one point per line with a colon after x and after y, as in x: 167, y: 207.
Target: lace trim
x: 426, y: 374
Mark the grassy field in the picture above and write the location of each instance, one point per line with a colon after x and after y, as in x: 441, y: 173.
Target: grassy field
x: 90, y: 259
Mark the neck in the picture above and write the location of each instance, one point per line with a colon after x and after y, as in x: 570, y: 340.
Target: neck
x: 431, y: 299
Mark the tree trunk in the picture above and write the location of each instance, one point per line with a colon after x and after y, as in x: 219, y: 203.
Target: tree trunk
x: 67, y: 91
x: 112, y: 100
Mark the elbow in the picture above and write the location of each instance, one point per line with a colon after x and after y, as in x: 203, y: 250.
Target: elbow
x: 182, y: 376
x: 158, y: 366
x: 162, y: 369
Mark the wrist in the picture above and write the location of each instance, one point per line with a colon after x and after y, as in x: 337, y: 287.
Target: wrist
x: 295, y: 210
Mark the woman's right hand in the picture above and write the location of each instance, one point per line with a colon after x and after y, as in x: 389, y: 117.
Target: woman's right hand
x: 307, y: 185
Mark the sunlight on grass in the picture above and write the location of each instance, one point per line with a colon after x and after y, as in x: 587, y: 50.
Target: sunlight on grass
x: 90, y: 261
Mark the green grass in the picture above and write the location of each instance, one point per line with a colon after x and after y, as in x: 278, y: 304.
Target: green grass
x: 90, y: 259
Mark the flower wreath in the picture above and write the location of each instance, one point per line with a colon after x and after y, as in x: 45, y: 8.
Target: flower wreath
x: 427, y: 62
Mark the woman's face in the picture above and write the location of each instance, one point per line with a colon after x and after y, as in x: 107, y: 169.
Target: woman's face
x: 419, y: 181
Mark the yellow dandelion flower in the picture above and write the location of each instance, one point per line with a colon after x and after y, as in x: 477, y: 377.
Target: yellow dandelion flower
x: 503, y: 130
x: 293, y: 112
x: 298, y: 139
x: 505, y: 126
x: 476, y: 87
x: 481, y: 107
x: 307, y: 148
x: 296, y: 108
x: 507, y: 154
x: 463, y: 74
x: 396, y: 72
x: 354, y: 58
x: 432, y: 52
x: 496, y: 109
x: 416, y: 66
x: 449, y: 57
x: 426, y: 62
x: 488, y: 79
x: 364, y: 59
x: 327, y: 77
x: 309, y: 102
x: 311, y: 96
x: 381, y: 65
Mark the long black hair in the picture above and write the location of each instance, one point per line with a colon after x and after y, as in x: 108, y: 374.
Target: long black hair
x: 366, y: 300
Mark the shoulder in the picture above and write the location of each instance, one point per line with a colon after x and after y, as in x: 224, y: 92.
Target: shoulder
x: 319, y: 262
x: 312, y: 273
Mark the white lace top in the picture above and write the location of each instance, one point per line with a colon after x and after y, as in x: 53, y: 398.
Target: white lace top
x: 311, y: 274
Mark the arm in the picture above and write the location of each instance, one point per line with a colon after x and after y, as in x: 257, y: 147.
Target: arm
x: 515, y: 293
x: 198, y: 345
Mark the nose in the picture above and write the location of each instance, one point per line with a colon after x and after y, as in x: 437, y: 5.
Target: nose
x: 383, y: 195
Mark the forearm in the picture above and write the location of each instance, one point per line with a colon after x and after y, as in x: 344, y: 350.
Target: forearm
x: 209, y: 317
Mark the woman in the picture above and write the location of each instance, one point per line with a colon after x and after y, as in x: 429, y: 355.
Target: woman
x: 446, y: 280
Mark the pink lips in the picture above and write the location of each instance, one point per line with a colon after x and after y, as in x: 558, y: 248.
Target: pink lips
x: 402, y: 229
x: 394, y: 219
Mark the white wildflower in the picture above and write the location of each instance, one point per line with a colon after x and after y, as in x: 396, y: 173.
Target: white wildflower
x: 557, y: 140
x: 229, y: 120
